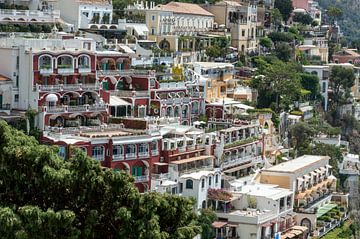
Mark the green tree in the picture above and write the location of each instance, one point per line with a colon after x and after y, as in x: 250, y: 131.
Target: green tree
x: 276, y: 17
x: 311, y: 83
x: 302, y: 18
x: 215, y: 51
x: 334, y: 13
x: 283, y: 51
x: 281, y: 37
x: 44, y: 196
x: 265, y: 42
x: 285, y: 7
x: 206, y: 218
x: 300, y: 135
x: 341, y: 80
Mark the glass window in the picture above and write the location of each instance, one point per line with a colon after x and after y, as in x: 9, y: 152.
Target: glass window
x: 153, y: 17
x: 189, y: 184
x: 154, y: 146
x: 137, y: 171
x: 210, y: 178
x: 143, y: 148
x: 216, y: 178
x: 130, y: 149
x: 118, y: 151
x: 181, y: 188
x: 202, y: 183
x: 62, y: 152
x: 98, y: 152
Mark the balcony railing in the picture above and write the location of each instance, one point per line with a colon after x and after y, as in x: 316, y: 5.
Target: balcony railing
x: 61, y: 87
x: 138, y: 93
x: 143, y: 154
x: 84, y: 69
x: 66, y: 70
x: 131, y: 156
x: 230, y: 162
x: 160, y: 176
x: 117, y: 157
x: 141, y: 179
x: 74, y: 108
x: 46, y: 70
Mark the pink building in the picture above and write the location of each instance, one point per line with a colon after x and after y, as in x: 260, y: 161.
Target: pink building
x: 303, y: 4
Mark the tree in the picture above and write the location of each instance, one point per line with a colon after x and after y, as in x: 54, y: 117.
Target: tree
x: 283, y: 51
x: 265, y: 42
x: 334, y: 13
x: 280, y: 85
x: 281, y: 37
x: 300, y: 135
x: 276, y: 17
x: 206, y: 218
x: 311, y: 83
x: 341, y: 80
x: 215, y: 51
x: 302, y: 18
x: 44, y: 196
x: 285, y: 7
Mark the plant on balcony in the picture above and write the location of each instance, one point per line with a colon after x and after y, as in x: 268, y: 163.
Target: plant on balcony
x: 252, y: 202
x: 219, y: 195
x: 241, y: 142
x: 45, y: 66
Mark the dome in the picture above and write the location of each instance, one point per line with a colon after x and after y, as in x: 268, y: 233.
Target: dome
x: 51, y: 98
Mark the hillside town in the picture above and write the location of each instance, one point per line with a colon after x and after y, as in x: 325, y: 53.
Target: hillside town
x: 250, y: 108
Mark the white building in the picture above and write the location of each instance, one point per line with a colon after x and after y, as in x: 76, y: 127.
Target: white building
x: 197, y: 184
x: 96, y: 14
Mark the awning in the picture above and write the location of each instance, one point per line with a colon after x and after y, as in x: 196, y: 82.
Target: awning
x: 329, y: 166
x: 231, y: 170
x: 127, y: 49
x: 191, y: 159
x: 218, y: 224
x: 161, y: 164
x: 116, y: 101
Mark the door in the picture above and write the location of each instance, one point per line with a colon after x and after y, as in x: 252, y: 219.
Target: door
x: 105, y: 85
x: 137, y: 171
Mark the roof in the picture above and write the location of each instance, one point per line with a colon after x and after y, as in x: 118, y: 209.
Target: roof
x: 210, y: 65
x: 184, y: 8
x: 198, y: 175
x: 117, y: 101
x: 103, y: 2
x: 230, y: 3
x: 265, y: 190
x: 4, y: 78
x: 188, y: 160
x: 292, y: 166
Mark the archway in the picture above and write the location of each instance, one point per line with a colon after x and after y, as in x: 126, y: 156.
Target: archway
x: 164, y: 44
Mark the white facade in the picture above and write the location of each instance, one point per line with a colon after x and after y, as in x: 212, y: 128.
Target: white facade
x: 196, y: 185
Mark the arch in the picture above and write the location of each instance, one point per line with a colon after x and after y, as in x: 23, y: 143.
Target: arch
x: 164, y: 44
x: 21, y: 19
x: 242, y: 48
x: 94, y: 27
x: 7, y: 19
x: 314, y: 73
x: 33, y: 20
x: 169, y: 111
x: 84, y: 61
x: 306, y: 223
x: 45, y: 61
x: 107, y: 64
x: 65, y: 61
x: 113, y: 27
x: 58, y: 121
x: 103, y: 27
x: 189, y: 184
x: 120, y: 84
x: 177, y: 111
x: 146, y: 163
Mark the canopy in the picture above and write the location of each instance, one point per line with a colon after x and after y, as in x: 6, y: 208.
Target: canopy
x: 116, y: 101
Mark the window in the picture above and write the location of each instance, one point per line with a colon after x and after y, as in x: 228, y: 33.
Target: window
x: 153, y: 17
x: 152, y: 31
x: 130, y: 150
x: 203, y: 183
x: 181, y: 188
x: 243, y: 33
x: 210, y: 178
x: 216, y: 178
x: 16, y: 98
x: 98, y: 152
x: 324, y: 87
x: 118, y: 151
x: 62, y: 152
x: 154, y: 146
x: 137, y: 171
x: 143, y: 149
x: 189, y: 184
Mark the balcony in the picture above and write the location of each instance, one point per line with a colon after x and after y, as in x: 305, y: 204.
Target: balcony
x: 84, y: 69
x: 141, y: 179
x: 72, y: 87
x: 46, y: 70
x: 29, y: 15
x: 74, y: 108
x: 65, y: 69
x: 138, y: 93
x: 116, y: 157
x: 143, y: 154
x: 234, y: 161
x: 131, y: 156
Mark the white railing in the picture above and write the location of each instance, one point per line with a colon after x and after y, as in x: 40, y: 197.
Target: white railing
x: 30, y: 13
x: 85, y: 70
x: 124, y: 93
x: 142, y: 178
x: 65, y: 70
x: 160, y: 176
x: 143, y: 154
x: 46, y: 70
x: 118, y: 157
x: 130, y: 156
x: 74, y: 108
x: 62, y: 87
x: 241, y: 160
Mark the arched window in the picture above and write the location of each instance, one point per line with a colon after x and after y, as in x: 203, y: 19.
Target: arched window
x: 84, y: 62
x: 189, y: 184
x: 217, y: 178
x: 98, y: 152
x: 203, y: 183
x: 210, y: 179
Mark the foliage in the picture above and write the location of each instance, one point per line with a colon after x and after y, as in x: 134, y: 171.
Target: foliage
x: 276, y: 17
x: 283, y: 51
x: 281, y: 37
x: 251, y: 200
x: 241, y: 142
x: 311, y: 83
x: 35, y: 28
x: 215, y: 51
x: 300, y: 134
x: 44, y: 196
x: 285, y: 7
x: 265, y: 42
x: 302, y: 18
x: 341, y: 80
x: 334, y: 12
x: 219, y: 194
x: 205, y: 219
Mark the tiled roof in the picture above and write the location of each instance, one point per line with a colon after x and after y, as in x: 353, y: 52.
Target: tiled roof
x: 184, y: 8
x: 4, y: 78
x: 95, y: 1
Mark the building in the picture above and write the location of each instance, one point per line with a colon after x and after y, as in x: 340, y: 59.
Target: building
x: 87, y: 14
x: 309, y: 178
x: 240, y: 19
x: 346, y: 56
x: 253, y: 210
